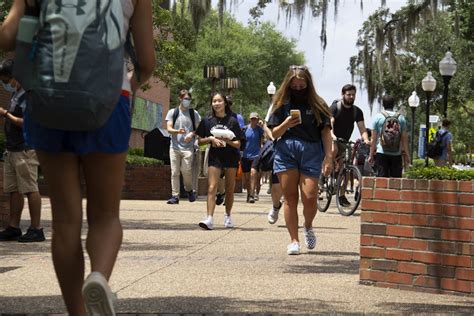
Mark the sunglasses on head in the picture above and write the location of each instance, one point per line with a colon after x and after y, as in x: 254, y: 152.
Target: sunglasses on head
x: 298, y: 67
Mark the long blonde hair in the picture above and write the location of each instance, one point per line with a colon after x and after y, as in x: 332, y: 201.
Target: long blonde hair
x: 318, y: 105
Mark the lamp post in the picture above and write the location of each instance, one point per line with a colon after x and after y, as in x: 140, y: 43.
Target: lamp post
x: 271, y: 89
x: 429, y: 85
x: 413, y: 102
x: 447, y: 69
x: 214, y: 73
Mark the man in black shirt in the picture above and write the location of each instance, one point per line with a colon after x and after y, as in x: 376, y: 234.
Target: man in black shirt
x: 20, y: 166
x: 344, y: 114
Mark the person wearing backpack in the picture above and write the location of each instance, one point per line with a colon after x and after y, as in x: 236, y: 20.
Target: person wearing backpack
x: 20, y: 169
x: 98, y: 153
x: 181, y: 123
x: 389, y: 141
x: 344, y: 114
x: 445, y: 138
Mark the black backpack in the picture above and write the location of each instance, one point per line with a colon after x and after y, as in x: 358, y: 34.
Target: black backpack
x: 267, y: 155
x: 191, y: 114
x: 435, y: 147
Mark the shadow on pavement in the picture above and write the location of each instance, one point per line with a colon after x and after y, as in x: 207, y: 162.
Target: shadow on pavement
x: 333, y: 266
x: 224, y: 305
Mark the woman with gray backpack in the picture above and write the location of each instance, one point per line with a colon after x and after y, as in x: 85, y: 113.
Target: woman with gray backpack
x: 76, y: 129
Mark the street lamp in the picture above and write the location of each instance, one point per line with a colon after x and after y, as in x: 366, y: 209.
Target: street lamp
x: 271, y: 89
x: 413, y: 102
x: 447, y: 69
x: 214, y: 73
x: 428, y: 85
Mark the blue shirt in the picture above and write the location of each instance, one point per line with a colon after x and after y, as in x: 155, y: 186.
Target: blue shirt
x: 253, y: 138
x: 379, y: 119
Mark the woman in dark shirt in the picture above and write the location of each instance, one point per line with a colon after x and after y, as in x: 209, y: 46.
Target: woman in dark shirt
x: 224, y: 154
x: 303, y: 148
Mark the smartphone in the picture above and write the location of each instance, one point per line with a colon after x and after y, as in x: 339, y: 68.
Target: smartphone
x: 296, y: 113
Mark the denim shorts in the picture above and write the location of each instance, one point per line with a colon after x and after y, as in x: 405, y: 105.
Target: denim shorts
x: 306, y: 157
x: 113, y: 137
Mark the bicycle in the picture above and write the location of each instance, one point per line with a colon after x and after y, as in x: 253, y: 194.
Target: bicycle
x: 337, y: 181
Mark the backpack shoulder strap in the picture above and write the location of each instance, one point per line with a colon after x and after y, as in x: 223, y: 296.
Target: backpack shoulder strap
x: 175, y: 115
x: 338, y: 108
x: 385, y: 114
x: 192, y: 114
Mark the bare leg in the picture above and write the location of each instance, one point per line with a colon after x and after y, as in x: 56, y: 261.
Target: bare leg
x: 309, y: 193
x: 104, y: 174
x: 62, y: 175
x: 213, y: 175
x: 17, y: 201
x: 289, y: 185
x: 253, y: 181
x: 230, y: 174
x: 34, y: 204
x: 276, y: 194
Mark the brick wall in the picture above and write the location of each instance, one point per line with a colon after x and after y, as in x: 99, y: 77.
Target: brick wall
x: 4, y: 203
x: 147, y: 183
x: 418, y: 235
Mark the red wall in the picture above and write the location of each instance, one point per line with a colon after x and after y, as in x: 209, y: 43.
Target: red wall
x: 418, y: 234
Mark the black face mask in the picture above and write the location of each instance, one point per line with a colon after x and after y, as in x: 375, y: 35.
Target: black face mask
x: 299, y: 96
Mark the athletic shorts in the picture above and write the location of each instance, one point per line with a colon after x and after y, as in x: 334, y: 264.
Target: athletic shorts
x: 249, y: 163
x: 306, y: 157
x: 113, y: 137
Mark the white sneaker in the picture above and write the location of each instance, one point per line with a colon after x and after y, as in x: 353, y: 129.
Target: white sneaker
x: 273, y: 214
x: 98, y: 297
x: 207, y: 223
x: 228, y: 222
x: 293, y: 248
x: 309, y: 238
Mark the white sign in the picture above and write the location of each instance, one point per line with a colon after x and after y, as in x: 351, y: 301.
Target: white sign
x: 434, y: 118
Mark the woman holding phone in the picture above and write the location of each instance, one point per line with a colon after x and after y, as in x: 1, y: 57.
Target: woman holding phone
x: 300, y: 122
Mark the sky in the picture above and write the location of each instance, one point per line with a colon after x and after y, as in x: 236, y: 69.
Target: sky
x: 329, y: 67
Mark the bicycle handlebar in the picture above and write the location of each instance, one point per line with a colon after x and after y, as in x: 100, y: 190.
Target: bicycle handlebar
x: 342, y: 140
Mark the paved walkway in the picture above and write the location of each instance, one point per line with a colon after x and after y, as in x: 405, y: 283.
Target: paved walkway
x: 169, y: 265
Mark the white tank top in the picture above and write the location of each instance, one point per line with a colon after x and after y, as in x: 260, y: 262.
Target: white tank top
x: 128, y: 8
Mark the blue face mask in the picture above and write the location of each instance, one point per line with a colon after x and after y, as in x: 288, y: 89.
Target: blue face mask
x: 186, y: 103
x: 8, y: 87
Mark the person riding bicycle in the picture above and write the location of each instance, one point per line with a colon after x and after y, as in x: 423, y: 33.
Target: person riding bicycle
x: 344, y: 115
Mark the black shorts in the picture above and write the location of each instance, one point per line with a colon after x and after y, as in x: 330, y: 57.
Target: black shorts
x: 223, y: 161
x: 249, y: 163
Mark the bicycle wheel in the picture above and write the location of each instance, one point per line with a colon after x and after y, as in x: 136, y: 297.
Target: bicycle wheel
x: 324, y: 193
x: 351, y: 204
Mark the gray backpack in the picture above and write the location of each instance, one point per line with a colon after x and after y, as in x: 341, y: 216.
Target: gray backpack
x: 77, y: 64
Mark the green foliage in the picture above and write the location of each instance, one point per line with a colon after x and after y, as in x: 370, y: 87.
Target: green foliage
x: 135, y: 158
x: 256, y: 55
x: 420, y: 163
x: 439, y: 173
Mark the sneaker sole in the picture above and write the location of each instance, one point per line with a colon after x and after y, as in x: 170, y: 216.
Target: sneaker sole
x: 29, y: 240
x: 96, y: 299
x: 204, y: 226
x: 293, y: 253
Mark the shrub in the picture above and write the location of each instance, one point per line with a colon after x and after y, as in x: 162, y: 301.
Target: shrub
x: 135, y: 158
x: 439, y: 173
